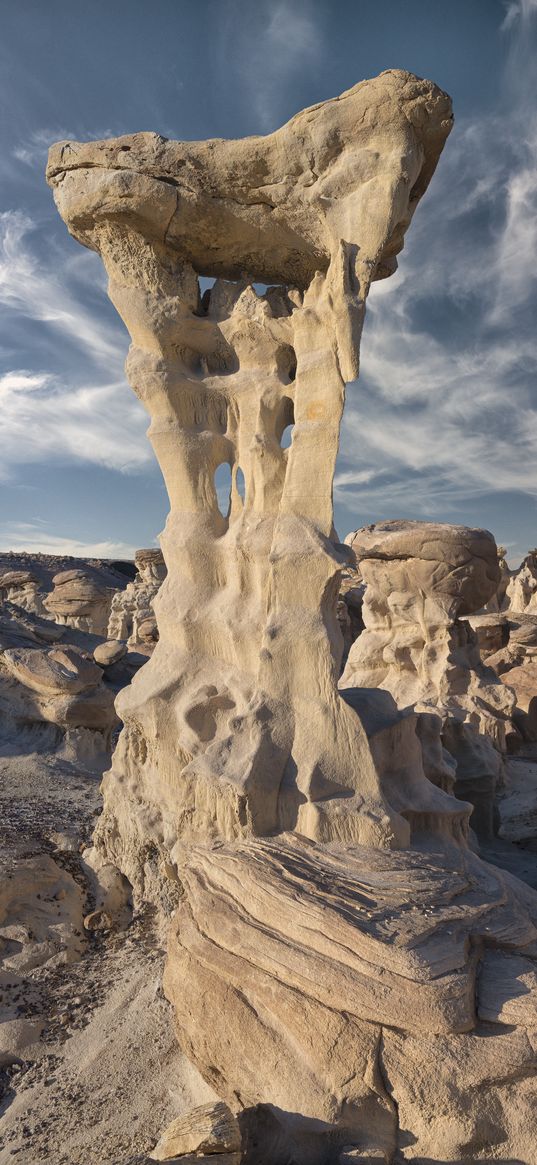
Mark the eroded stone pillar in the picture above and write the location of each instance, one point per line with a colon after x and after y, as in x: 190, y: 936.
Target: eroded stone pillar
x: 236, y: 726
x: 334, y: 989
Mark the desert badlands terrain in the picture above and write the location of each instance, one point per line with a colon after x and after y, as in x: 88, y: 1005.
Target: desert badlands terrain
x: 269, y: 887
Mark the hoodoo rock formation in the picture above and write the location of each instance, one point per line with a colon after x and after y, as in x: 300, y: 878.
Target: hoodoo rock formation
x: 132, y: 618
x: 422, y: 579
x: 347, y: 974
x: 78, y: 600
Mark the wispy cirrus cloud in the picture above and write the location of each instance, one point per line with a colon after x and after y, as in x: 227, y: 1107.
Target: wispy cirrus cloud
x: 44, y: 419
x: 84, y: 411
x: 31, y: 288
x: 445, y: 410
x: 268, y: 45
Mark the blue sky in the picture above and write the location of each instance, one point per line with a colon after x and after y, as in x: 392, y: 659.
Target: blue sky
x: 443, y: 421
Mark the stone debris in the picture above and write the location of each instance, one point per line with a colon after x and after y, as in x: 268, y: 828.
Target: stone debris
x: 209, y: 1132
x: 110, y: 652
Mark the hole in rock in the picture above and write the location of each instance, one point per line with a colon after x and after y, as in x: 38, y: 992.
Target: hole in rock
x: 287, y: 437
x: 206, y: 285
x: 222, y: 485
x: 240, y: 484
x: 285, y: 422
x: 286, y: 363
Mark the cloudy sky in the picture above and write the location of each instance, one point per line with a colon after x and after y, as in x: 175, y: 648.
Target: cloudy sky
x: 443, y: 421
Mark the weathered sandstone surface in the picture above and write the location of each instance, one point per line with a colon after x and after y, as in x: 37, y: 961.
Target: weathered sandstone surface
x: 422, y: 579
x: 347, y: 974
x: 79, y: 601
x: 68, y: 590
x: 52, y: 695
x: 132, y: 617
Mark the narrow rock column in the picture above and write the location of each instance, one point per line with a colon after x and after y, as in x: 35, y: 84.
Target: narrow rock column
x: 236, y: 726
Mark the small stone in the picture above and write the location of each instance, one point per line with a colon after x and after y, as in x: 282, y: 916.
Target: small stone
x: 108, y: 653
x: 98, y: 920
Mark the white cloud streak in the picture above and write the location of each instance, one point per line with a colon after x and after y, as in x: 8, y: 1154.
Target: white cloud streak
x: 66, y: 416
x: 272, y: 44
x: 445, y: 410
x: 43, y: 420
x: 32, y: 538
x: 36, y: 292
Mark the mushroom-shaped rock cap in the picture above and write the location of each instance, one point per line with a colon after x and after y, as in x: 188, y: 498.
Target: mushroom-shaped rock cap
x: 75, y: 586
x: 143, y: 556
x: 17, y: 578
x: 274, y: 206
x: 464, y: 560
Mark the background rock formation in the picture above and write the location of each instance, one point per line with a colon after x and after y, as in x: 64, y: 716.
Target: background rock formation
x: 132, y: 618
x: 421, y: 580
x: 313, y: 956
x: 78, y: 601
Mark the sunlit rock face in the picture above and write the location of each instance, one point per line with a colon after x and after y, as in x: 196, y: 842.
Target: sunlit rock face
x: 132, y: 618
x: 22, y: 588
x: 422, y: 579
x: 52, y: 698
x: 310, y: 944
x: 80, y: 601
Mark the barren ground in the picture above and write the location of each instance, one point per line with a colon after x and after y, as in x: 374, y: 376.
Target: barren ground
x: 101, y: 1075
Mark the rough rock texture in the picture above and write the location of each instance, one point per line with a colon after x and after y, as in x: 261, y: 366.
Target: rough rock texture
x: 421, y: 577
x: 52, y: 694
x: 132, y: 617
x: 22, y: 587
x: 331, y: 965
x: 26, y: 579
x: 499, y: 600
x: 521, y: 591
x: 250, y: 645
x: 80, y: 601
x: 210, y: 1132
x: 303, y: 964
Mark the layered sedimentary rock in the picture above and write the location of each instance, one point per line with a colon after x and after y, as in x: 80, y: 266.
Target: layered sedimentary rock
x: 421, y: 579
x: 132, y: 618
x: 80, y: 601
x: 521, y: 591
x: 22, y: 587
x: 313, y: 952
x: 51, y: 692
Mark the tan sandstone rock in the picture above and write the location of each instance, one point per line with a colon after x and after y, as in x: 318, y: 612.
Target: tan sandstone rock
x: 421, y: 577
x: 131, y: 616
x: 108, y: 653
x: 59, y: 687
x: 329, y: 913
x: 22, y: 588
x: 209, y: 1131
x: 78, y: 600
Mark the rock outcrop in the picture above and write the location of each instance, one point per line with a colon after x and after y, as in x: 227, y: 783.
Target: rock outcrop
x: 347, y: 991
x: 22, y: 587
x: 209, y: 1133
x: 421, y: 579
x: 521, y: 591
x: 78, y: 600
x: 132, y: 617
x: 52, y: 695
